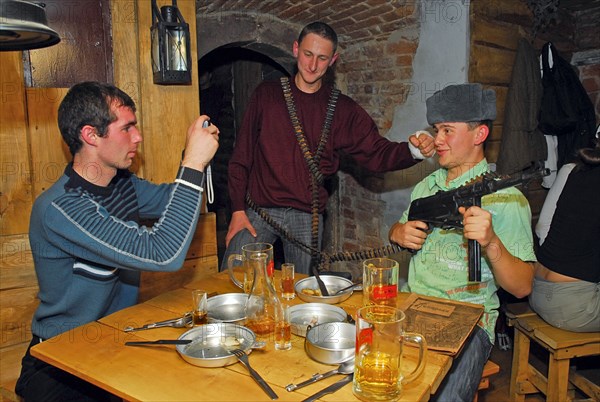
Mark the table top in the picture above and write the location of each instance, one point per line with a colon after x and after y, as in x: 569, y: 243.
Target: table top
x: 96, y: 352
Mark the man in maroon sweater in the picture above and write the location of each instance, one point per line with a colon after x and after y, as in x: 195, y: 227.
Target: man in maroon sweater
x: 269, y: 162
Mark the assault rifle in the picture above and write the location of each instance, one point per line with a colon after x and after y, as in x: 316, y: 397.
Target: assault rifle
x: 441, y: 209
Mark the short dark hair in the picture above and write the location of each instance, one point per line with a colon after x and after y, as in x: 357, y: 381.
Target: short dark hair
x: 474, y: 124
x: 89, y: 103
x: 590, y: 155
x: 321, y: 29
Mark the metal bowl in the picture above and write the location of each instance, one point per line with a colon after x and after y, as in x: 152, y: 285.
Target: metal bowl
x: 332, y: 283
x: 331, y: 342
x: 228, y: 307
x: 308, y: 315
x: 211, y: 344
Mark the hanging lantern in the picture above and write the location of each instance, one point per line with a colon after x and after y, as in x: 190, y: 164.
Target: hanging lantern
x: 171, y: 53
x: 23, y: 26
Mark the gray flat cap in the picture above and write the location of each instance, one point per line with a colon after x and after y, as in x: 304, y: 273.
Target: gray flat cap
x: 461, y: 103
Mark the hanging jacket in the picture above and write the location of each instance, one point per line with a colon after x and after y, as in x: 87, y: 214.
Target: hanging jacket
x: 522, y: 142
x: 566, y: 110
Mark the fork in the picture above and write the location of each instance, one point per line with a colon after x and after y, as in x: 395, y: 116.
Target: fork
x: 243, y: 358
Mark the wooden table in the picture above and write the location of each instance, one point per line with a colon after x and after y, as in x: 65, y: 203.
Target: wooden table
x: 96, y: 353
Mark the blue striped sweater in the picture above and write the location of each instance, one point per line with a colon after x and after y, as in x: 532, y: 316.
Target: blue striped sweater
x: 89, y: 246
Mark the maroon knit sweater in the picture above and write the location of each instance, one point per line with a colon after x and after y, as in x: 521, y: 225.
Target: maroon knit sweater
x: 267, y: 161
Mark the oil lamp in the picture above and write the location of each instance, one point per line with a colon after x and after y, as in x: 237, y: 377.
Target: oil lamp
x: 170, y: 41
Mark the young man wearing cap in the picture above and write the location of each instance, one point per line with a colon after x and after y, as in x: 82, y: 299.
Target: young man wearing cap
x: 462, y: 116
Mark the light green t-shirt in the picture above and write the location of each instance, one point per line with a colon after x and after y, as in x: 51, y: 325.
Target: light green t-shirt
x: 440, y: 268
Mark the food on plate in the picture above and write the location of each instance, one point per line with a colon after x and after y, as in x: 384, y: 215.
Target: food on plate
x: 312, y: 292
x: 231, y: 342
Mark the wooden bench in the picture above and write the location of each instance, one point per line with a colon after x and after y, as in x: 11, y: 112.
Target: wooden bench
x: 562, y: 345
x: 489, y: 369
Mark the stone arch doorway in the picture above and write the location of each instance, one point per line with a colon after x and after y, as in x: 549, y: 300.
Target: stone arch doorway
x: 228, y: 75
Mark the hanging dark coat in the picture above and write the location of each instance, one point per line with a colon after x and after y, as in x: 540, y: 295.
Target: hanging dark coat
x: 522, y: 142
x: 566, y: 110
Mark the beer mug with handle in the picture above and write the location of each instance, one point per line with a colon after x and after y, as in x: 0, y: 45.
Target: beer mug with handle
x: 242, y: 260
x: 380, y: 338
x: 380, y: 282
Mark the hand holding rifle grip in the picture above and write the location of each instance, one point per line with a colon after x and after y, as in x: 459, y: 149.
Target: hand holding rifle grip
x: 474, y: 251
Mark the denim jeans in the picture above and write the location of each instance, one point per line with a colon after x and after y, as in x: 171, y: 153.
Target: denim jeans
x: 295, y: 222
x: 461, y: 383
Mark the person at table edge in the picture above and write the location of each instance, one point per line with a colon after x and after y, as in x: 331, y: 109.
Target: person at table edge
x: 269, y: 165
x: 87, y: 242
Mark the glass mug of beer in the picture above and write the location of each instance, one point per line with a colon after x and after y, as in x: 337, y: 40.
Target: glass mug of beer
x: 380, y: 282
x: 380, y: 338
x: 250, y: 251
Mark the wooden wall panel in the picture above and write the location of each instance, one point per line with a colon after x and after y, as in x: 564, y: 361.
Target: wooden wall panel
x: 204, y: 242
x: 49, y: 153
x: 168, y: 110
x: 515, y: 11
x: 15, y: 185
x: 501, y: 93
x: 126, y: 55
x: 491, y: 65
x: 8, y: 369
x: 16, y: 270
x: 18, y: 291
x: 16, y: 310
x: 84, y: 52
x: 484, y: 30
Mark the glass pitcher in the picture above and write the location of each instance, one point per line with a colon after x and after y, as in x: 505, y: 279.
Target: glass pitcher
x: 264, y: 310
x: 243, y: 259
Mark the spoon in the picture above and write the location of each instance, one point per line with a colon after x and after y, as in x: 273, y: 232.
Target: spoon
x: 342, y: 290
x: 346, y: 367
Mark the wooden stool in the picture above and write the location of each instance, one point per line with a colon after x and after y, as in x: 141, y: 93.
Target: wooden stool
x: 489, y: 369
x: 562, y: 346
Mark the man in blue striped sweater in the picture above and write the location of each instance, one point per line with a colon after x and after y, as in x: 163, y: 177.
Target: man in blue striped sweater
x: 87, y: 241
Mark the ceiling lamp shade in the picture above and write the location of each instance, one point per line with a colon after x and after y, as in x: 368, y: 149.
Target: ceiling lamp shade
x: 23, y: 26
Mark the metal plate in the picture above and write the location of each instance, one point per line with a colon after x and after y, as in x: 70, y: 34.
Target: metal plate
x: 228, y: 307
x: 211, y: 344
x: 332, y: 283
x: 310, y: 314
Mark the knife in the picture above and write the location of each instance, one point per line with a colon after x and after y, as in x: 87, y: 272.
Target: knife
x: 330, y: 389
x: 160, y: 342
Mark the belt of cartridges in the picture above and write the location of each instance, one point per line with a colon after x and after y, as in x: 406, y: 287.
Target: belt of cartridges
x: 318, y: 257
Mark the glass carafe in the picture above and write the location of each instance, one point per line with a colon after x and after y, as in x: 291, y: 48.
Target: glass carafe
x: 264, y: 310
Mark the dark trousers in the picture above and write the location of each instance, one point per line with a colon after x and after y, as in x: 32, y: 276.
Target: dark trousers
x: 40, y: 381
